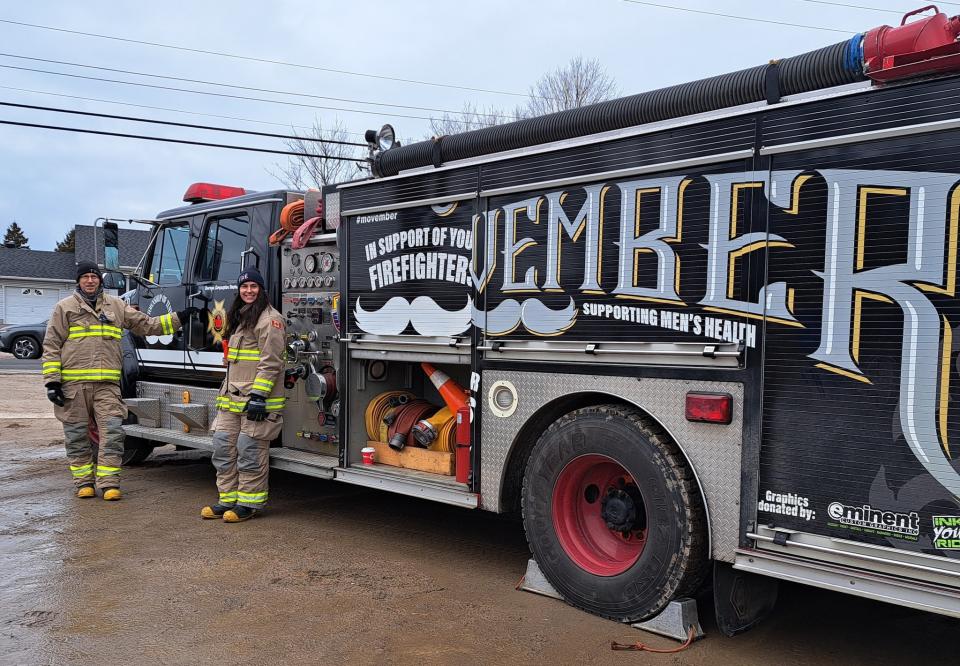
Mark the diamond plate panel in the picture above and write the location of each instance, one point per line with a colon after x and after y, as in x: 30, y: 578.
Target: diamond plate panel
x: 713, y: 450
x: 172, y: 394
x: 193, y: 414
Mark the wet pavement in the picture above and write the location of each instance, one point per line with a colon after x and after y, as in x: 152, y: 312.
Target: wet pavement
x: 330, y: 573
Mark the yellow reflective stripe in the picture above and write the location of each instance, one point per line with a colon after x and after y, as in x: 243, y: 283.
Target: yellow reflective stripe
x: 274, y: 404
x: 262, y: 384
x: 95, y: 331
x: 76, y: 336
x: 238, y: 354
x: 229, y: 496
x: 252, y: 498
x: 166, y: 323
x: 51, y: 363
x: 68, y: 371
x: 81, y: 470
x: 229, y: 405
x: 50, y: 371
x: 69, y: 374
x: 104, y: 470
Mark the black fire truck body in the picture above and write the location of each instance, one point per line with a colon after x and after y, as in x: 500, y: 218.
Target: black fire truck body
x: 721, y: 339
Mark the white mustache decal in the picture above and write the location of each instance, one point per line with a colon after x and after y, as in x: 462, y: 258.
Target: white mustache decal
x: 426, y: 317
x: 536, y: 317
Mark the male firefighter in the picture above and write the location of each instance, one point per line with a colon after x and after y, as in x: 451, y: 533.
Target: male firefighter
x: 81, y: 371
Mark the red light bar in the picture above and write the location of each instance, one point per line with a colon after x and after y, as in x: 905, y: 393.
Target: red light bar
x: 200, y: 192
x: 710, y: 407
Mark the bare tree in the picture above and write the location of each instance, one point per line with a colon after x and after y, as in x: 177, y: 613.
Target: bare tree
x: 302, y: 172
x: 471, y: 117
x: 579, y: 83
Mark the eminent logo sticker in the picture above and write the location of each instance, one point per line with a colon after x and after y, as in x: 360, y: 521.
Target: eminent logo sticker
x: 946, y: 532
x: 869, y: 520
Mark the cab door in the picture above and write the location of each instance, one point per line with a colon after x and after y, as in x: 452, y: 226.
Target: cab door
x: 161, y: 290
x: 224, y: 247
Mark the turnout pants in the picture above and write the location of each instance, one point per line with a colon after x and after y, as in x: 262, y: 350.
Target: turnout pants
x: 100, y: 402
x: 241, y: 456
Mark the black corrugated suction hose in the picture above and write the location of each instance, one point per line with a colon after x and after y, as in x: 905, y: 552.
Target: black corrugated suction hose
x: 830, y: 66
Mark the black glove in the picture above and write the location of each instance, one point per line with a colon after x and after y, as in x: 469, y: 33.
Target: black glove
x: 186, y: 313
x: 55, y: 394
x: 256, y: 408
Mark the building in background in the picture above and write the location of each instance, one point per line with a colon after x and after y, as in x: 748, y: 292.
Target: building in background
x: 32, y: 281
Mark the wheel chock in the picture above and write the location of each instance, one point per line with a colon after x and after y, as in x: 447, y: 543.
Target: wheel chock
x: 674, y: 621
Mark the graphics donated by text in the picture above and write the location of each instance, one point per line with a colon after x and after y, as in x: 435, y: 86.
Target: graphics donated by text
x: 786, y: 504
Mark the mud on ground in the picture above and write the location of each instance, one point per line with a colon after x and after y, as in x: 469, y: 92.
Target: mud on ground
x: 330, y: 574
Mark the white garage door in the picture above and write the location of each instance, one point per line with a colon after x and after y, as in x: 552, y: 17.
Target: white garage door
x: 29, y: 305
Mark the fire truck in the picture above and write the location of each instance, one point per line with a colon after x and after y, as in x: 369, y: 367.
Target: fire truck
x: 703, y: 333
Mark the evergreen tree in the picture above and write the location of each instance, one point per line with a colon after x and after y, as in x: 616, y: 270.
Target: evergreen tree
x: 14, y: 236
x: 68, y: 244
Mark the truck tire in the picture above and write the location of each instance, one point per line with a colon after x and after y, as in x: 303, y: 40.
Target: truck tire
x: 613, y: 515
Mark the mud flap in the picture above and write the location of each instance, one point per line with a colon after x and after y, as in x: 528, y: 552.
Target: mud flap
x: 740, y: 599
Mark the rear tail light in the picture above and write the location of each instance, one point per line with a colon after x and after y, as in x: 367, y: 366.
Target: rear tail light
x: 710, y: 407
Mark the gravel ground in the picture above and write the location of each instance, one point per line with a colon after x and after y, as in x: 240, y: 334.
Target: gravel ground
x: 330, y: 573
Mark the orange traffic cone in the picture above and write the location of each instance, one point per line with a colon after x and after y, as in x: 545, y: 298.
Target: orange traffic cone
x: 451, y: 392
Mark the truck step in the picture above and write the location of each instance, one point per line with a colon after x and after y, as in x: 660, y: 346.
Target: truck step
x: 290, y: 460
x: 168, y: 436
x: 862, y: 583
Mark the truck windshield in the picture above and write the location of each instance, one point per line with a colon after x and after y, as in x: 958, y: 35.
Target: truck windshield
x: 169, y: 255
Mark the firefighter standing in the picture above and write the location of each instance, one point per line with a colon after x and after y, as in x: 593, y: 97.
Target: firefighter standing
x: 249, y: 402
x: 81, y: 371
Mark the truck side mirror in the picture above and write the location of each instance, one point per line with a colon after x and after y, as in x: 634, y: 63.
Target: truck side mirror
x: 111, y: 246
x: 114, y: 280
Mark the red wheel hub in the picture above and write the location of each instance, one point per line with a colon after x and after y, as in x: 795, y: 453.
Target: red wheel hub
x: 599, y: 515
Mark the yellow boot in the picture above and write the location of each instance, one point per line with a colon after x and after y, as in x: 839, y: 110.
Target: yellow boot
x: 85, y: 492
x: 112, y: 494
x: 238, y: 514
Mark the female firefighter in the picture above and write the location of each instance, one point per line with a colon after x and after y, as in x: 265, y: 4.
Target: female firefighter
x: 249, y: 402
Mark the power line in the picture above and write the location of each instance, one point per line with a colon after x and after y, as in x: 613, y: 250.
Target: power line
x: 176, y: 124
x: 235, y: 86
x: 840, y: 4
x: 742, y: 18
x: 215, y: 94
x: 268, y: 61
x: 180, y: 141
x: 875, y: 9
x: 163, y: 108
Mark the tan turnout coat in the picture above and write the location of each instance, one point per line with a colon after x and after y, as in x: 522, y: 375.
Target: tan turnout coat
x: 255, y: 361
x: 83, y: 343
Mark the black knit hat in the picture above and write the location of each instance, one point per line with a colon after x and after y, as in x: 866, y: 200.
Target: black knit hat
x: 250, y: 275
x: 85, y: 267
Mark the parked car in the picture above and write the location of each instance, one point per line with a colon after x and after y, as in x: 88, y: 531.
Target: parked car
x: 23, y: 340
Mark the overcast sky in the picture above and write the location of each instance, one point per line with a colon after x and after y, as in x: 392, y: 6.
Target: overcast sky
x: 51, y: 180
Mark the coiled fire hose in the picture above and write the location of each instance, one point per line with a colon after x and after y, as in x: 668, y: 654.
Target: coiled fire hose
x: 291, y: 217
x: 399, y: 430
x: 378, y: 408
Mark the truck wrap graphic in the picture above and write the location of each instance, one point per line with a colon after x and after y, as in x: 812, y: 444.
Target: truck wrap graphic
x: 851, y: 270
